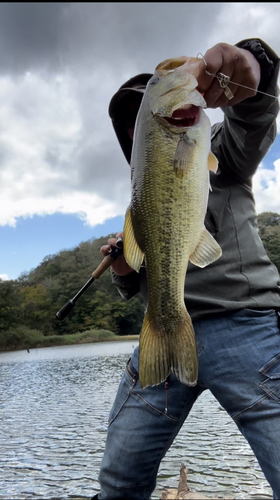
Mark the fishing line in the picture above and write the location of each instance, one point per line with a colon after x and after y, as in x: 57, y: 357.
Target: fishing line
x: 234, y: 83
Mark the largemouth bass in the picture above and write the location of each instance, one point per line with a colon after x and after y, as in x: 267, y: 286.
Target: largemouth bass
x: 164, y: 224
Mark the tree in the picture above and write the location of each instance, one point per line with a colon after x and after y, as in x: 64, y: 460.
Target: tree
x: 35, y: 305
x: 35, y: 297
x: 128, y: 316
x: 269, y: 231
x: 10, y: 310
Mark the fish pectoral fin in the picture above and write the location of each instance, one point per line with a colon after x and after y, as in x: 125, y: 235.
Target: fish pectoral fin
x: 162, y: 353
x: 207, y: 250
x: 212, y: 162
x: 133, y: 254
x: 183, y: 156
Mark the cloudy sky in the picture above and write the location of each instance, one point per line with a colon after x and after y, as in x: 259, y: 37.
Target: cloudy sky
x: 63, y: 178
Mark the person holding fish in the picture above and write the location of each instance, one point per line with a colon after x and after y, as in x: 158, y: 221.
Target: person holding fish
x: 192, y: 249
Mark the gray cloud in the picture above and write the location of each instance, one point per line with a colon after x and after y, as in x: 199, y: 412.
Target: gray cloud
x: 53, y: 35
x: 30, y: 35
x: 60, y: 65
x: 101, y: 168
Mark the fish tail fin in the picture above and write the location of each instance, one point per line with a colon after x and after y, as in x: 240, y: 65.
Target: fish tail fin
x: 184, y: 352
x: 162, y: 353
x: 154, y: 364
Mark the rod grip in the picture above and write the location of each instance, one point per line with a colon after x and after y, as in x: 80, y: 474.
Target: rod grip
x: 109, y: 259
x: 106, y: 262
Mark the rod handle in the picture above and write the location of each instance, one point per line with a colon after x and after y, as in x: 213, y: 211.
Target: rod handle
x: 109, y: 259
x: 106, y: 262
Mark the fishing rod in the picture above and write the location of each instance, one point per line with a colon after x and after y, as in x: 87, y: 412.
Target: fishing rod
x: 104, y: 264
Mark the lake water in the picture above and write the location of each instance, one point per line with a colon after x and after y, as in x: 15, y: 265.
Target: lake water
x: 53, y: 411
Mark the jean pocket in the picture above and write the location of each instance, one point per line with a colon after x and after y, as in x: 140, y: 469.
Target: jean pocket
x: 271, y: 370
x: 126, y: 385
x: 259, y: 312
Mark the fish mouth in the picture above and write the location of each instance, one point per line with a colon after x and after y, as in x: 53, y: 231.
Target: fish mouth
x: 187, y: 116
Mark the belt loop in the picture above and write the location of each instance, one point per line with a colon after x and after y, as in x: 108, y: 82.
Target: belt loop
x: 132, y: 371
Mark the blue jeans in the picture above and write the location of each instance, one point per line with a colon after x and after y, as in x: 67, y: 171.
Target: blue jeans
x: 239, y: 362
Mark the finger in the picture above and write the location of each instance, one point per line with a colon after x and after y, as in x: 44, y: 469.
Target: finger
x: 231, y: 95
x: 241, y: 68
x: 227, y: 60
x: 105, y: 249
x: 236, y: 91
x: 241, y: 74
x: 204, y: 80
x: 115, y: 242
x: 215, y: 95
x: 241, y: 88
x: 210, y: 64
x: 112, y: 242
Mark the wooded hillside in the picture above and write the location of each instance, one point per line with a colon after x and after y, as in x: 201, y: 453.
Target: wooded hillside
x: 33, y: 300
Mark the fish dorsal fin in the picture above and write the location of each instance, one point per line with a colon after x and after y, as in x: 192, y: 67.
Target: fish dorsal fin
x: 207, y: 250
x: 212, y: 162
x: 133, y: 254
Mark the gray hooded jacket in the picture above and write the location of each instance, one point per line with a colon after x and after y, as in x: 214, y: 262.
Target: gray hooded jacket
x: 243, y: 277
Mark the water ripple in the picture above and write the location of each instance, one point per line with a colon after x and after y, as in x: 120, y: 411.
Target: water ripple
x: 54, y: 411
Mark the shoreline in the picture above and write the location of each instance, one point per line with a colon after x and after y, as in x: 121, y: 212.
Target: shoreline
x: 116, y: 338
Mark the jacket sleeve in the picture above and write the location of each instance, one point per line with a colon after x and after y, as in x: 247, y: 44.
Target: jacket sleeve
x: 128, y: 286
x: 248, y: 130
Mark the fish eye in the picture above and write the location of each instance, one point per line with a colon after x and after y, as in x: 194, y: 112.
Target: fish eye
x: 154, y: 80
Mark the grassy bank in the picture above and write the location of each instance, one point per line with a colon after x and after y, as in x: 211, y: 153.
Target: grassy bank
x: 23, y: 338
